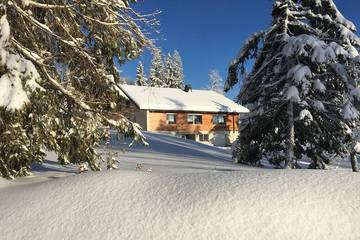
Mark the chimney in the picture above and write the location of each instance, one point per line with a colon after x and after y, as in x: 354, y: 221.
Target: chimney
x: 188, y: 88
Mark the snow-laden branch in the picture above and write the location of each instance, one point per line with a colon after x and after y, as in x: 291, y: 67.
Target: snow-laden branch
x: 248, y: 51
x: 346, y: 30
x: 44, y: 5
x: 73, y: 43
x: 27, y: 53
x: 43, y: 27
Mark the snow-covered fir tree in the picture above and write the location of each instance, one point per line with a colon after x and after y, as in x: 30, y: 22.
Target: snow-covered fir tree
x: 157, y: 70
x: 169, y: 71
x: 140, y: 75
x: 174, y: 72
x: 303, y: 89
x: 178, y: 71
x: 216, y: 82
x: 58, y: 88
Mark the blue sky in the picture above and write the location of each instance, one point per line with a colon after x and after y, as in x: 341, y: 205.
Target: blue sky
x: 209, y: 33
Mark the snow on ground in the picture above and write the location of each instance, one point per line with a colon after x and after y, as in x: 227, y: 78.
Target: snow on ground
x: 166, y: 154
x: 228, y: 205
x: 3, y: 183
x: 193, y: 192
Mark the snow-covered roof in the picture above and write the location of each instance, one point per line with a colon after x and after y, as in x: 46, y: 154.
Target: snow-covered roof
x: 174, y: 99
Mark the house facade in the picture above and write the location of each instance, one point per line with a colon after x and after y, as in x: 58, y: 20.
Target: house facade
x: 199, y: 115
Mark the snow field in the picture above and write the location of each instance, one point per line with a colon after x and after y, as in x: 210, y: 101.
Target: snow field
x: 193, y: 192
x: 224, y: 205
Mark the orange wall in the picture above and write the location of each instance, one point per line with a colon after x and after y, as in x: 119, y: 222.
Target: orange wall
x: 157, y: 122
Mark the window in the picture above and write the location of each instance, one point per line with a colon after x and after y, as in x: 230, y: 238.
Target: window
x: 171, y: 118
x: 219, y: 119
x: 204, y: 137
x: 194, y: 119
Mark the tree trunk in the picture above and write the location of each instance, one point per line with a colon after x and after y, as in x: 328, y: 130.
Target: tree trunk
x: 289, y: 162
x: 354, y: 162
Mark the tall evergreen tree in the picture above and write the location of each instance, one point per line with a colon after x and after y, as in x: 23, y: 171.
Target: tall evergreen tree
x: 140, y: 75
x: 215, y: 82
x: 178, y: 75
x: 301, y: 91
x: 174, y: 72
x: 170, y: 71
x: 157, y: 70
x: 58, y: 88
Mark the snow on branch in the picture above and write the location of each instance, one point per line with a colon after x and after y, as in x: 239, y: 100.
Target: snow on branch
x: 339, y: 17
x: 300, y: 74
x: 13, y: 93
x: 292, y: 94
x: 43, y: 5
x: 318, y: 50
x: 345, y: 27
x: 349, y: 112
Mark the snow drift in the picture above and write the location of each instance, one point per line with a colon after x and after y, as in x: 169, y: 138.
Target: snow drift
x: 246, y: 204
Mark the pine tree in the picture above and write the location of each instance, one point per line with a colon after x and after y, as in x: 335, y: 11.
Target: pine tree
x: 157, y: 70
x: 58, y: 88
x: 301, y: 92
x: 174, y: 73
x: 215, y: 82
x: 178, y: 76
x: 140, y: 75
x: 169, y: 74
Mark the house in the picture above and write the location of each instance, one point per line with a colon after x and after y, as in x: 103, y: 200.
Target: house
x: 199, y: 115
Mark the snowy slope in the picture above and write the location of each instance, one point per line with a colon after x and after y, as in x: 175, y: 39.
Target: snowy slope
x: 193, y: 192
x: 167, y: 153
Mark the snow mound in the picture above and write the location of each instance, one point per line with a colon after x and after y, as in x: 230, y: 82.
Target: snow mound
x: 248, y: 204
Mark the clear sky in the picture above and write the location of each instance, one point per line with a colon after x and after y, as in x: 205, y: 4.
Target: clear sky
x: 209, y: 33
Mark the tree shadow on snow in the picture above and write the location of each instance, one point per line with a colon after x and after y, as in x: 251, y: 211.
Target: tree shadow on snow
x: 51, y: 166
x: 173, y: 146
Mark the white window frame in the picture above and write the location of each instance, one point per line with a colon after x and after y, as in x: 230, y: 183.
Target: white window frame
x: 202, y: 137
x: 215, y: 119
x: 192, y: 121
x: 167, y: 120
